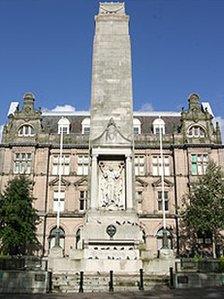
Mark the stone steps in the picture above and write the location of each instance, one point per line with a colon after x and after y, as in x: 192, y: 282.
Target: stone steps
x: 69, y: 283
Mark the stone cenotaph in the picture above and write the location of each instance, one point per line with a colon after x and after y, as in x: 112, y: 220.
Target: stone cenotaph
x: 111, y: 234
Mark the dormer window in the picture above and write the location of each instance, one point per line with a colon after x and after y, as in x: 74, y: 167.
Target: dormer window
x: 63, y: 125
x: 137, y: 126
x: 196, y: 131
x: 158, y: 124
x: 86, y: 126
x: 26, y: 130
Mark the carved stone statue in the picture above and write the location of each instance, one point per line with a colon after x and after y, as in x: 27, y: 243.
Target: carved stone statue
x: 111, y: 185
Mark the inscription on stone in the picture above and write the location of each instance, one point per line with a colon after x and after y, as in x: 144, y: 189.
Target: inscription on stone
x: 39, y: 277
x: 182, y: 279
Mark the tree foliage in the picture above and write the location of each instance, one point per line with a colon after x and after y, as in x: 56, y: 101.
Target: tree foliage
x: 18, y: 218
x: 205, y: 202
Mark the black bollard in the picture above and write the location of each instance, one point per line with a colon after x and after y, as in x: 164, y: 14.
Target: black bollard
x: 81, y: 282
x: 141, y: 283
x: 111, y: 283
x: 49, y: 289
x: 171, y: 278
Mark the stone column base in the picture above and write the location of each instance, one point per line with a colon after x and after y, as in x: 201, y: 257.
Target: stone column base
x: 166, y: 253
x: 56, y: 251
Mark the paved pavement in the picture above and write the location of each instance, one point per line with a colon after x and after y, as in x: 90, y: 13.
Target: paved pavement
x: 205, y: 293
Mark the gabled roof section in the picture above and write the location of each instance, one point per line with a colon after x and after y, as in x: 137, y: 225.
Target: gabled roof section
x: 55, y: 182
x: 158, y: 183
x: 81, y: 182
x: 141, y: 182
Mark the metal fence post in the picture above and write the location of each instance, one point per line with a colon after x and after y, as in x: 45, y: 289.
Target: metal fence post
x: 141, y: 283
x: 171, y: 278
x: 81, y: 282
x: 111, y: 283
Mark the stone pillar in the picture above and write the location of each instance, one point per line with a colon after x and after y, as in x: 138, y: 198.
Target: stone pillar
x: 94, y: 183
x: 129, y: 180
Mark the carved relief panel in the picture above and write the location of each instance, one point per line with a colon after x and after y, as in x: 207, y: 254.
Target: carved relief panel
x: 111, y: 185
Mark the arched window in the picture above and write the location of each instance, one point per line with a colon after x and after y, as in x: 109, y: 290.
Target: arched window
x: 86, y: 126
x: 196, y: 131
x: 144, y: 237
x: 158, y: 124
x: 52, y: 237
x: 159, y: 237
x: 78, y: 244
x: 63, y: 125
x: 137, y: 126
x: 26, y: 130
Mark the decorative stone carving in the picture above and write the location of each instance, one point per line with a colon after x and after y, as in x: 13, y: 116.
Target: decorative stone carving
x: 111, y: 185
x: 111, y: 230
x: 111, y: 132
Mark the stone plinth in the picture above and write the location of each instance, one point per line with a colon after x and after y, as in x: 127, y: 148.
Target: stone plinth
x: 56, y: 251
x: 166, y: 253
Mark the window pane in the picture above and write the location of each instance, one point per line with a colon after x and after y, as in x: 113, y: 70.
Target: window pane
x: 193, y: 158
x: 65, y: 165
x: 83, y: 162
x: 136, y: 130
x: 154, y: 170
x: 166, y: 205
x: 82, y: 204
x: 167, y: 170
x: 85, y: 170
x: 194, y: 169
x: 160, y: 206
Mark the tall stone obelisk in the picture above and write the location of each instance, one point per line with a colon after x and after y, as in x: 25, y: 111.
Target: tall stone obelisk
x: 111, y: 71
x: 111, y: 233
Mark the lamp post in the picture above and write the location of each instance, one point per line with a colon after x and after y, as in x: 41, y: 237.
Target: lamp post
x: 165, y: 237
x: 61, y: 131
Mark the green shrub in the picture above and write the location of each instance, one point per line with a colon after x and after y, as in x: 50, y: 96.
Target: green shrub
x: 221, y: 264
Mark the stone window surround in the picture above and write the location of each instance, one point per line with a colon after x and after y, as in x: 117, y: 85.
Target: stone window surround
x: 83, y: 195
x: 198, y: 165
x: 82, y: 163
x: 26, y: 130
x: 140, y: 164
x: 55, y: 196
x: 160, y: 203
x: 52, y: 236
x: 156, y: 164
x: 22, y: 162
x: 65, y: 164
x: 196, y: 131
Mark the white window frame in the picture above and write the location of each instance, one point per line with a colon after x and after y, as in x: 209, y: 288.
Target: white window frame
x: 86, y: 126
x: 140, y: 167
x: 63, y: 125
x: 158, y: 124
x: 82, y: 198
x: 82, y: 164
x: 22, y: 163
x: 199, y: 164
x: 56, y: 201
x: 196, y: 131
x: 160, y: 201
x: 157, y: 165
x: 136, y: 126
x: 26, y: 130
x: 65, y: 164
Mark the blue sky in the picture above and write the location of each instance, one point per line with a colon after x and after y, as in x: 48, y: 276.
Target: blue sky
x: 177, y: 48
